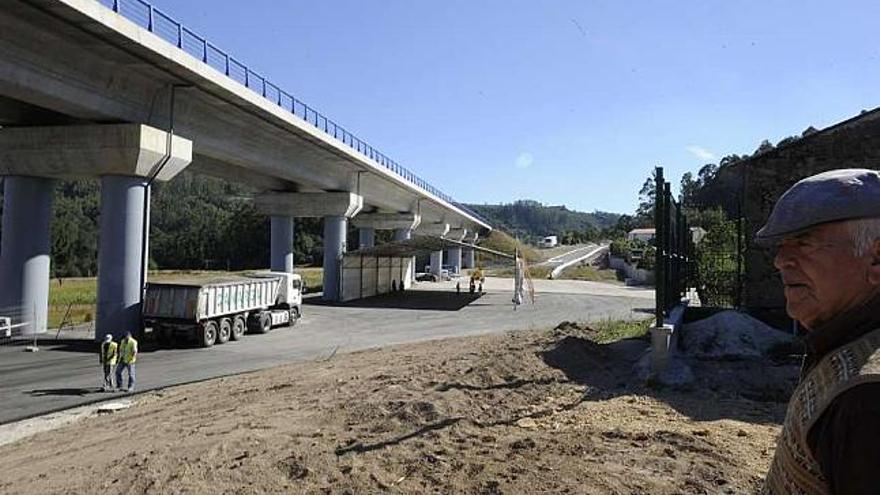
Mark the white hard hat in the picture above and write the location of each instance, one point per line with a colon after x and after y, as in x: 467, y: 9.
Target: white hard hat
x: 108, y: 338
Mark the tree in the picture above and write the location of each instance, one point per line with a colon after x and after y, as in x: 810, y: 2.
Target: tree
x: 647, y: 200
x: 688, y: 189
x: 765, y: 146
x: 706, y: 174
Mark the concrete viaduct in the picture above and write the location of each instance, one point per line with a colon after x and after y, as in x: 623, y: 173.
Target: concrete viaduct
x: 118, y: 90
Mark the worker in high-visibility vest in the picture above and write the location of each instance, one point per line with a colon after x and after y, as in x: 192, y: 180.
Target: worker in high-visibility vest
x: 128, y: 349
x: 108, y: 358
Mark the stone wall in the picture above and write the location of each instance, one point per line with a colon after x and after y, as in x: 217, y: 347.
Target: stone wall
x: 854, y: 143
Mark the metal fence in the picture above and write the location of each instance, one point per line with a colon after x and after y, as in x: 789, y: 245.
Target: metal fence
x: 164, y: 26
x: 674, y: 255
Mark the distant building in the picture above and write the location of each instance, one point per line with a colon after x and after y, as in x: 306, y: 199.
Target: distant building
x: 646, y: 235
x: 550, y: 241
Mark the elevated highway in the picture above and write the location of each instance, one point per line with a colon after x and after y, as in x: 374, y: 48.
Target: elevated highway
x: 118, y: 90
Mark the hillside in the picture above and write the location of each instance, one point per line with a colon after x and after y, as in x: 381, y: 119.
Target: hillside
x: 531, y: 220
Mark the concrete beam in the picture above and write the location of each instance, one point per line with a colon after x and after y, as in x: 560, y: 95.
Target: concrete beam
x: 76, y: 151
x: 312, y: 205
x: 387, y: 221
x: 436, y: 229
x: 457, y: 234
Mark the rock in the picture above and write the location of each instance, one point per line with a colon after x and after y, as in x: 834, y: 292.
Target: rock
x: 526, y: 423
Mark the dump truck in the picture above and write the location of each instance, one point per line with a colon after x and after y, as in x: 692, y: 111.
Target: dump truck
x: 219, y: 309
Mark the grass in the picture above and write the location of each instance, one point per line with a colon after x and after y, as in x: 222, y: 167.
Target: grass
x: 500, y: 241
x: 536, y: 272
x: 589, y: 273
x: 609, y: 330
x: 78, y: 294
x: 81, y: 294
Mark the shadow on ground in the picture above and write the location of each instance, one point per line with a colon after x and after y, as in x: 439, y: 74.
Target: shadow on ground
x: 65, y: 392
x: 438, y: 300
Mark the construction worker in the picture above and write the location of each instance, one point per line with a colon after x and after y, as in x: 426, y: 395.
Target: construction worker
x: 128, y: 349
x: 107, y: 359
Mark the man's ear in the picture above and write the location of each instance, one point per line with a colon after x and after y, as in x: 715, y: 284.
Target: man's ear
x: 874, y: 269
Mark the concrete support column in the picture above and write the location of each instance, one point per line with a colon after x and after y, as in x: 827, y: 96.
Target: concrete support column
x: 25, y: 250
x: 402, y: 235
x: 366, y: 237
x: 123, y: 235
x: 455, y: 260
x: 467, y: 260
x: 335, y: 228
x: 281, y: 234
x: 437, y: 263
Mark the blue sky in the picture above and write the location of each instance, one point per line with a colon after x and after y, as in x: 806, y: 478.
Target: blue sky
x: 564, y: 102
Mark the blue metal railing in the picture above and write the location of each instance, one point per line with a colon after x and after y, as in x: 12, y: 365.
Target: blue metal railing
x: 164, y: 26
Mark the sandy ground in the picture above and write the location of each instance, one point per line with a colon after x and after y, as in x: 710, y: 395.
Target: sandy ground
x: 525, y: 412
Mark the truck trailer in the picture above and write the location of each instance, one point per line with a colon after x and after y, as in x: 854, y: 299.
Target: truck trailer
x: 220, y: 309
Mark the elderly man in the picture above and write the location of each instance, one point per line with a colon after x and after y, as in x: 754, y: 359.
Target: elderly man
x: 826, y: 233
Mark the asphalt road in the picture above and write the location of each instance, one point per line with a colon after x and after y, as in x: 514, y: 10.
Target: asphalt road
x: 66, y: 373
x: 569, y: 255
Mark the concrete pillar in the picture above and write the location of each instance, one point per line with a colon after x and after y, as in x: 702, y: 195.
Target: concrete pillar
x: 335, y: 228
x: 366, y: 237
x: 467, y: 258
x: 402, y: 235
x: 437, y: 263
x: 455, y: 260
x: 124, y: 206
x: 25, y: 251
x: 281, y: 258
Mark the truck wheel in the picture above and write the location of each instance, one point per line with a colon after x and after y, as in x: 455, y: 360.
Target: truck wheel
x: 294, y: 316
x: 224, y: 331
x: 208, y: 333
x: 238, y: 328
x: 265, y: 323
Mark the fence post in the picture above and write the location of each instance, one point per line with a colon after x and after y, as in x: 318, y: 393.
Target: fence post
x: 668, y: 232
x: 739, y: 254
x: 659, y: 275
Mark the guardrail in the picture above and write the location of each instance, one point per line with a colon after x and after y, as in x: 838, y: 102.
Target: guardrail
x: 164, y: 26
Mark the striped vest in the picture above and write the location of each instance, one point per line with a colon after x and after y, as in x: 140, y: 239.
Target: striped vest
x: 794, y: 469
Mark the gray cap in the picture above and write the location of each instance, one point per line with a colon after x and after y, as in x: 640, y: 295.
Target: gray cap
x: 827, y: 197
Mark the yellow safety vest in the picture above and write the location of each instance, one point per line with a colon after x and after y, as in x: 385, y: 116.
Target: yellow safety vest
x: 110, y: 353
x: 129, y: 350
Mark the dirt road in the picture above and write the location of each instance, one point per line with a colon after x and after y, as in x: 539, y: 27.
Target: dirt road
x: 527, y: 412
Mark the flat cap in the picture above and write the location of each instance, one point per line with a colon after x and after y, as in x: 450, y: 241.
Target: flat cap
x: 827, y: 197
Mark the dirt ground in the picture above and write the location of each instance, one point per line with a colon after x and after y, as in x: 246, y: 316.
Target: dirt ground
x: 526, y: 412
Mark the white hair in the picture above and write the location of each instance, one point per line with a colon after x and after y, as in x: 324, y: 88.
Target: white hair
x: 864, y: 232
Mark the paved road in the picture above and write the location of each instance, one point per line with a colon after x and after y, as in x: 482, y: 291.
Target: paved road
x: 66, y: 373
x: 568, y: 255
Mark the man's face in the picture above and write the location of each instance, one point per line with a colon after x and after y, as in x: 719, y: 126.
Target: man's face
x: 821, y: 274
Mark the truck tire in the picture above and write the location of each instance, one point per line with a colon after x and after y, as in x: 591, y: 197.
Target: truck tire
x: 294, y: 316
x: 264, y: 323
x: 224, y: 331
x: 238, y: 328
x: 207, y: 333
